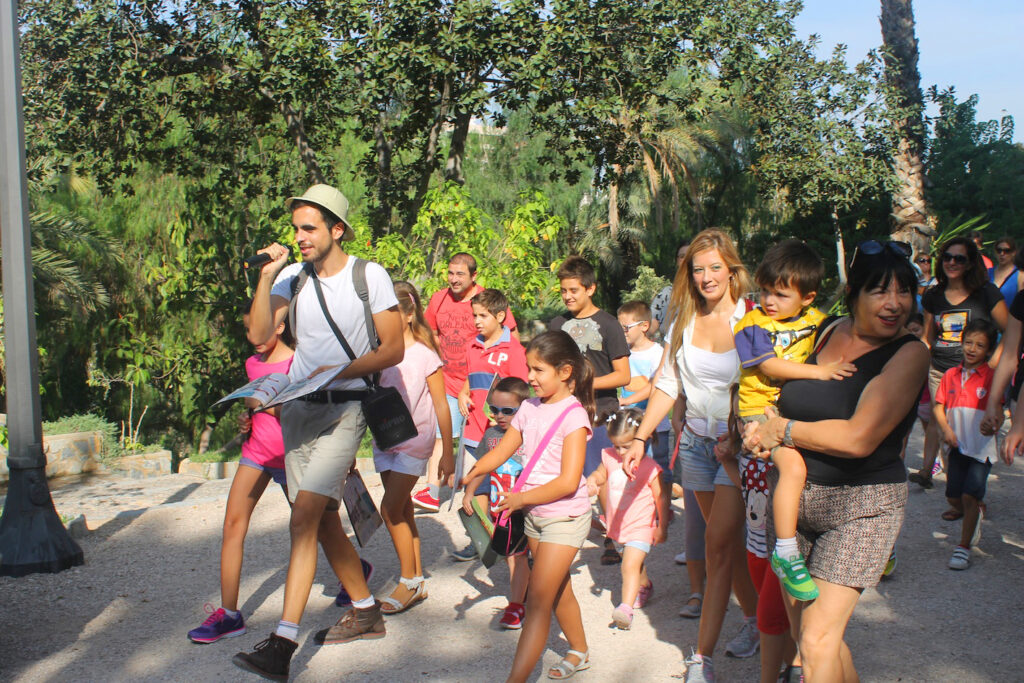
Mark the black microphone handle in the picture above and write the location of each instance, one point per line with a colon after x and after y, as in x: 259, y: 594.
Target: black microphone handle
x: 256, y: 261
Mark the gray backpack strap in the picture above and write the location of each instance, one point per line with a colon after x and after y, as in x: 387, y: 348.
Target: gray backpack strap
x: 297, y: 284
x: 363, y: 291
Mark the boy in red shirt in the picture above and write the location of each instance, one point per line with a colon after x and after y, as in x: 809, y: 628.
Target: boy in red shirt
x: 494, y: 353
x: 960, y: 404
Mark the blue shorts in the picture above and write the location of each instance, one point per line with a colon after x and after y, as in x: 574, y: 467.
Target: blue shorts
x: 276, y: 473
x: 484, y: 489
x: 660, y: 449
x: 457, y: 419
x: 701, y: 469
x: 965, y: 475
x: 598, y: 442
x: 639, y: 545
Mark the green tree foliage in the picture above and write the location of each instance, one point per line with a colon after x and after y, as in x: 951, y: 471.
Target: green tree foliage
x: 974, y: 167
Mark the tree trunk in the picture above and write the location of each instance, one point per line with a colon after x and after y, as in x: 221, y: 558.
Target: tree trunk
x: 457, y: 151
x: 840, y: 259
x: 429, y: 158
x: 382, y: 212
x: 910, y: 212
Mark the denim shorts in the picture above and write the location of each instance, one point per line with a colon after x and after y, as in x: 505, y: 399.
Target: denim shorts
x: 660, y: 451
x: 457, y: 419
x: 276, y: 473
x: 639, y: 545
x: 965, y: 475
x: 701, y: 469
x: 598, y: 442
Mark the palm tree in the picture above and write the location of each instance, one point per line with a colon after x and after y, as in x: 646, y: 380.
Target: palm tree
x: 904, y: 83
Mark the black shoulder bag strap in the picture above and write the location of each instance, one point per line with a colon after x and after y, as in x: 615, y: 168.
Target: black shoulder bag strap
x: 370, y: 331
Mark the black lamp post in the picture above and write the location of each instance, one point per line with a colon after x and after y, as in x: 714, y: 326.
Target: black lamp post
x: 32, y: 537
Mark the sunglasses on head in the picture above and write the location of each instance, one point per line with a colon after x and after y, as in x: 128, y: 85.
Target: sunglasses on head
x: 960, y: 259
x: 874, y: 248
x: 502, y: 411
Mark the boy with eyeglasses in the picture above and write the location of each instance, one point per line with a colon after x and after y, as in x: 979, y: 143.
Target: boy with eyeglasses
x: 644, y: 360
x: 503, y: 403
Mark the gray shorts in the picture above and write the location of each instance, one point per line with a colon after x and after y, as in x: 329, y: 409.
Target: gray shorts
x: 320, y: 442
x: 847, y: 532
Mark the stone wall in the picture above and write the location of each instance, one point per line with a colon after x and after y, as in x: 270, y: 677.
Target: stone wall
x: 66, y: 454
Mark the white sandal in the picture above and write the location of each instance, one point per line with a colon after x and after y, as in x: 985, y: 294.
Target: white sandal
x: 566, y: 669
x: 417, y: 584
x: 693, y: 611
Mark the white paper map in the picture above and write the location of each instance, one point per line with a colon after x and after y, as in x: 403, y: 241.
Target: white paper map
x: 275, y: 388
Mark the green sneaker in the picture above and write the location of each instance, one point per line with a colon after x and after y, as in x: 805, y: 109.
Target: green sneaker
x: 793, y: 575
x: 890, y: 566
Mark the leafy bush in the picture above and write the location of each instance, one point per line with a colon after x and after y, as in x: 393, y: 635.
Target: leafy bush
x: 87, y: 422
x: 215, y: 456
x: 645, y: 286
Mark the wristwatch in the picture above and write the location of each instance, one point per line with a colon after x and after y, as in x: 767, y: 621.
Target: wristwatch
x: 787, y: 435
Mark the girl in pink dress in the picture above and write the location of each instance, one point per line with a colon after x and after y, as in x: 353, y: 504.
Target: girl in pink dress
x: 418, y: 379
x: 637, y: 513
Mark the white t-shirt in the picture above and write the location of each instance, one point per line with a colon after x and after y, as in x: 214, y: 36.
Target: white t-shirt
x: 316, y: 343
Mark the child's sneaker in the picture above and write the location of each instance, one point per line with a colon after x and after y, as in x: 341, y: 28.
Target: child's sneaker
x: 699, y: 669
x: 937, y: 467
x: 467, y: 554
x: 218, y: 625
x: 961, y: 558
x: 622, y: 616
x: 512, y: 619
x: 425, y: 500
x: 344, y: 599
x: 890, y: 566
x: 747, y: 642
x: 643, y: 595
x: 792, y: 572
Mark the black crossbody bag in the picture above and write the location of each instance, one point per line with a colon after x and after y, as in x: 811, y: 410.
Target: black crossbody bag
x: 387, y: 416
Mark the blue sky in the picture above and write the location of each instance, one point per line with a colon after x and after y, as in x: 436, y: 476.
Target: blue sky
x: 977, y: 47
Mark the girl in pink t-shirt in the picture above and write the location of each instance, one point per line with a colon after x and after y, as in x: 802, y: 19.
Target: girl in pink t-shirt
x: 637, y: 514
x: 419, y: 380
x: 262, y: 461
x: 554, y: 496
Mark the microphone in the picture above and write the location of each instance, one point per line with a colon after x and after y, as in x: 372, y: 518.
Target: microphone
x: 256, y: 261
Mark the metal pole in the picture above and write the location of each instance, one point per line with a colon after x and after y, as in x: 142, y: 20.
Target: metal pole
x: 32, y: 537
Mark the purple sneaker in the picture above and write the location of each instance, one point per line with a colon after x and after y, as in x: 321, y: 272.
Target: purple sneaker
x: 343, y: 599
x: 218, y: 625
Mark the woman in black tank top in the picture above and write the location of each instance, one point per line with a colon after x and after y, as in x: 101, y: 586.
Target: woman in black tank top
x: 850, y: 433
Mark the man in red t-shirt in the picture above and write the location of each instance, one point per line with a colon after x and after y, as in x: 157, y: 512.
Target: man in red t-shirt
x: 450, y: 315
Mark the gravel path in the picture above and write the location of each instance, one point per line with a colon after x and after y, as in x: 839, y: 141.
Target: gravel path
x: 152, y: 558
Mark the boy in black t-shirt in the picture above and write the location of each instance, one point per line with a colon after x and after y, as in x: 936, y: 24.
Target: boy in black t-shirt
x: 601, y: 340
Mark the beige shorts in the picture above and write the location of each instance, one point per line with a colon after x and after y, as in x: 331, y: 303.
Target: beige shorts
x: 570, y: 531
x: 320, y: 442
x: 934, y: 377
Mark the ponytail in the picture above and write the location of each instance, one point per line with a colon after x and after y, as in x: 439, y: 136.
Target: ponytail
x: 583, y: 388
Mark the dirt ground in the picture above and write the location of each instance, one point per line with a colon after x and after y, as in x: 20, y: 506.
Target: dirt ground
x: 152, y: 562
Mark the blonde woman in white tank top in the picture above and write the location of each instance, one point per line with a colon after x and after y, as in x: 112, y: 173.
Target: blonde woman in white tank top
x: 701, y: 365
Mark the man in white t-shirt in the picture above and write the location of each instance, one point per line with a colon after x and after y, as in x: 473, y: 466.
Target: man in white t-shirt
x: 322, y: 431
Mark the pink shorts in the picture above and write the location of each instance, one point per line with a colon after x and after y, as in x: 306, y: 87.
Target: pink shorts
x: 771, y: 611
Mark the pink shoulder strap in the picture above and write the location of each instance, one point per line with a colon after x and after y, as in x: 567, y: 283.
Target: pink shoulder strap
x: 521, y: 480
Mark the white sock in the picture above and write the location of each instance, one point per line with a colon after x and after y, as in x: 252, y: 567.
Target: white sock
x: 287, y: 629
x: 365, y: 603
x: 231, y: 613
x: 786, y: 547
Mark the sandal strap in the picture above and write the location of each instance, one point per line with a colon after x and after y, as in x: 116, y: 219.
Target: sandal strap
x: 391, y: 602
x: 413, y: 583
x: 699, y: 596
x: 581, y: 655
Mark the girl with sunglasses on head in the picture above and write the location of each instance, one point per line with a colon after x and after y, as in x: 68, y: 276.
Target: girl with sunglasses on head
x: 962, y: 293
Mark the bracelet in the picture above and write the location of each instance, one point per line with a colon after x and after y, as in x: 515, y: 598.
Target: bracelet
x: 643, y: 441
x: 787, y: 435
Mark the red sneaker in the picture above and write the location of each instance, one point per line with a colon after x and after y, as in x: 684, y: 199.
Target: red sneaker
x: 512, y: 619
x: 426, y: 501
